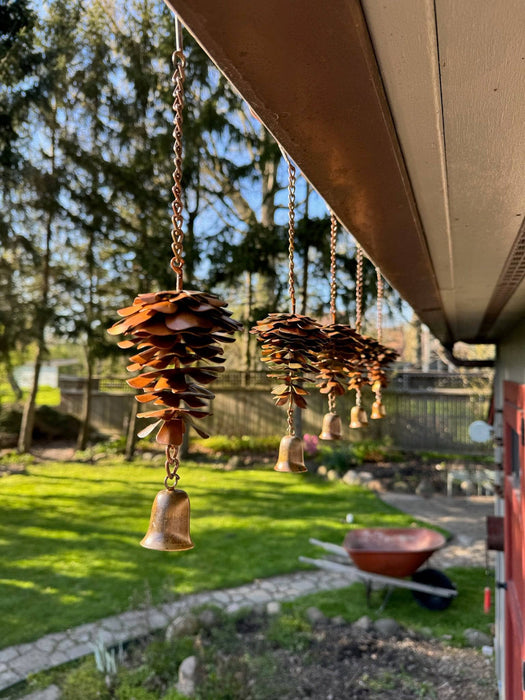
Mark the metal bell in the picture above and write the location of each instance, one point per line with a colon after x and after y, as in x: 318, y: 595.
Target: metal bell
x: 332, y: 427
x: 169, y: 525
x: 358, y: 418
x: 378, y: 410
x: 291, y: 456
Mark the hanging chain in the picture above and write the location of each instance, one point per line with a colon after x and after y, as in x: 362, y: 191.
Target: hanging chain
x: 359, y: 289
x: 379, y: 305
x: 291, y: 233
x: 331, y: 402
x: 291, y: 228
x: 179, y: 63
x: 358, y: 398
x: 290, y: 419
x: 172, y: 464
x: 333, y: 284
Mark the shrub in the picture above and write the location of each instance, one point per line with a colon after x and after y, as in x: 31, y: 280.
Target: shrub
x: 233, y: 444
x: 85, y: 682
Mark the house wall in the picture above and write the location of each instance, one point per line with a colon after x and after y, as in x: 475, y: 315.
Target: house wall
x: 510, y: 366
x: 511, y: 356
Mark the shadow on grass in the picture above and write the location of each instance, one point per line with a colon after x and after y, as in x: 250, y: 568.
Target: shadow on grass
x: 69, y: 537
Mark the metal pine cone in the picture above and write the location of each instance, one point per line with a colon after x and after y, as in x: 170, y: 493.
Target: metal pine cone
x: 339, y: 356
x: 173, y: 330
x: 383, y: 356
x: 290, y: 345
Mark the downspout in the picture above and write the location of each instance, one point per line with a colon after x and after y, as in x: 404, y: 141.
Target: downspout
x: 460, y: 362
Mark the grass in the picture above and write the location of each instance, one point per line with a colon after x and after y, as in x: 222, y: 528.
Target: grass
x: 70, y: 533
x: 228, y: 665
x: 465, y: 611
x: 46, y: 396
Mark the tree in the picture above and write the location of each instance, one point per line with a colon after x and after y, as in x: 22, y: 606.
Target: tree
x: 45, y: 176
x: 18, y: 62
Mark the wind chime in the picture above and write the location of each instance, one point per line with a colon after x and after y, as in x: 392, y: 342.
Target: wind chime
x: 377, y: 376
x: 375, y: 357
x: 358, y: 373
x: 177, y: 334
x: 340, y: 354
x: 290, y: 345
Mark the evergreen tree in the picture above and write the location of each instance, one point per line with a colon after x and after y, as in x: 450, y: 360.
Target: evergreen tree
x: 45, y: 175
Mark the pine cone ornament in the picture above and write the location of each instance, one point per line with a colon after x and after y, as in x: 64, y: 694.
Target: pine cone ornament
x: 378, y: 358
x: 290, y: 345
x: 339, y: 356
x: 173, y: 332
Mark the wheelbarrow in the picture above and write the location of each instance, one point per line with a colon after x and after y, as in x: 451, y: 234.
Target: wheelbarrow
x: 386, y: 556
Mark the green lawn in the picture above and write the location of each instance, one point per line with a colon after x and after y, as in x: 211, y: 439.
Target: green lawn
x: 69, y: 536
x: 465, y: 611
x: 46, y: 396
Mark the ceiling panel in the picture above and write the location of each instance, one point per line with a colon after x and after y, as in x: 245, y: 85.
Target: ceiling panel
x: 410, y: 124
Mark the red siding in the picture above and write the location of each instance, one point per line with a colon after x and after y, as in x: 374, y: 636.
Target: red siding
x: 514, y: 463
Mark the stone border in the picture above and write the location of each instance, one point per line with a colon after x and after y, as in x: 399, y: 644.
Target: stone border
x: 18, y: 662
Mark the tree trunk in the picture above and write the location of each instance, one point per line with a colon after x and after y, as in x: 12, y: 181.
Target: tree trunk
x: 25, y: 437
x: 28, y: 417
x: 17, y: 391
x: 249, y: 306
x: 83, y: 435
x: 131, y: 437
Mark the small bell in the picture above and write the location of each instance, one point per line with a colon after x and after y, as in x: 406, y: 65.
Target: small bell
x: 291, y: 457
x: 358, y: 417
x: 169, y: 526
x: 332, y: 427
x: 378, y: 410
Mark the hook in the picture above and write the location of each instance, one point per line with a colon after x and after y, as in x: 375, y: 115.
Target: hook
x: 178, y: 33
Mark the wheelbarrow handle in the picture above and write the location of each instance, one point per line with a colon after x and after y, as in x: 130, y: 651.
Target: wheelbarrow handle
x: 329, y: 547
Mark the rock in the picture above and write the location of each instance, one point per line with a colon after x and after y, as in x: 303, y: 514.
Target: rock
x: 315, y: 616
x: 387, y: 627
x: 208, y: 618
x: 322, y: 470
x: 338, y: 621
x: 425, y: 488
x: 401, y: 487
x: 332, y: 475
x: 426, y: 633
x: 475, y: 638
x: 234, y: 462
x: 52, y: 692
x: 364, y: 477
x: 187, y: 671
x: 350, y: 478
x: 273, y: 607
x: 182, y: 626
x: 465, y: 540
x: 376, y: 485
x: 364, y: 624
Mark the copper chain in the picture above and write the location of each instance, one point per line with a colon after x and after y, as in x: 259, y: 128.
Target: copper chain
x: 379, y: 305
x: 331, y: 402
x: 291, y: 228
x: 290, y: 418
x: 359, y: 289
x: 177, y: 262
x: 333, y: 284
x: 172, y: 464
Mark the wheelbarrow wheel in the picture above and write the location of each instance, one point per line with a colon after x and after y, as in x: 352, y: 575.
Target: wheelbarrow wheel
x: 432, y: 577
